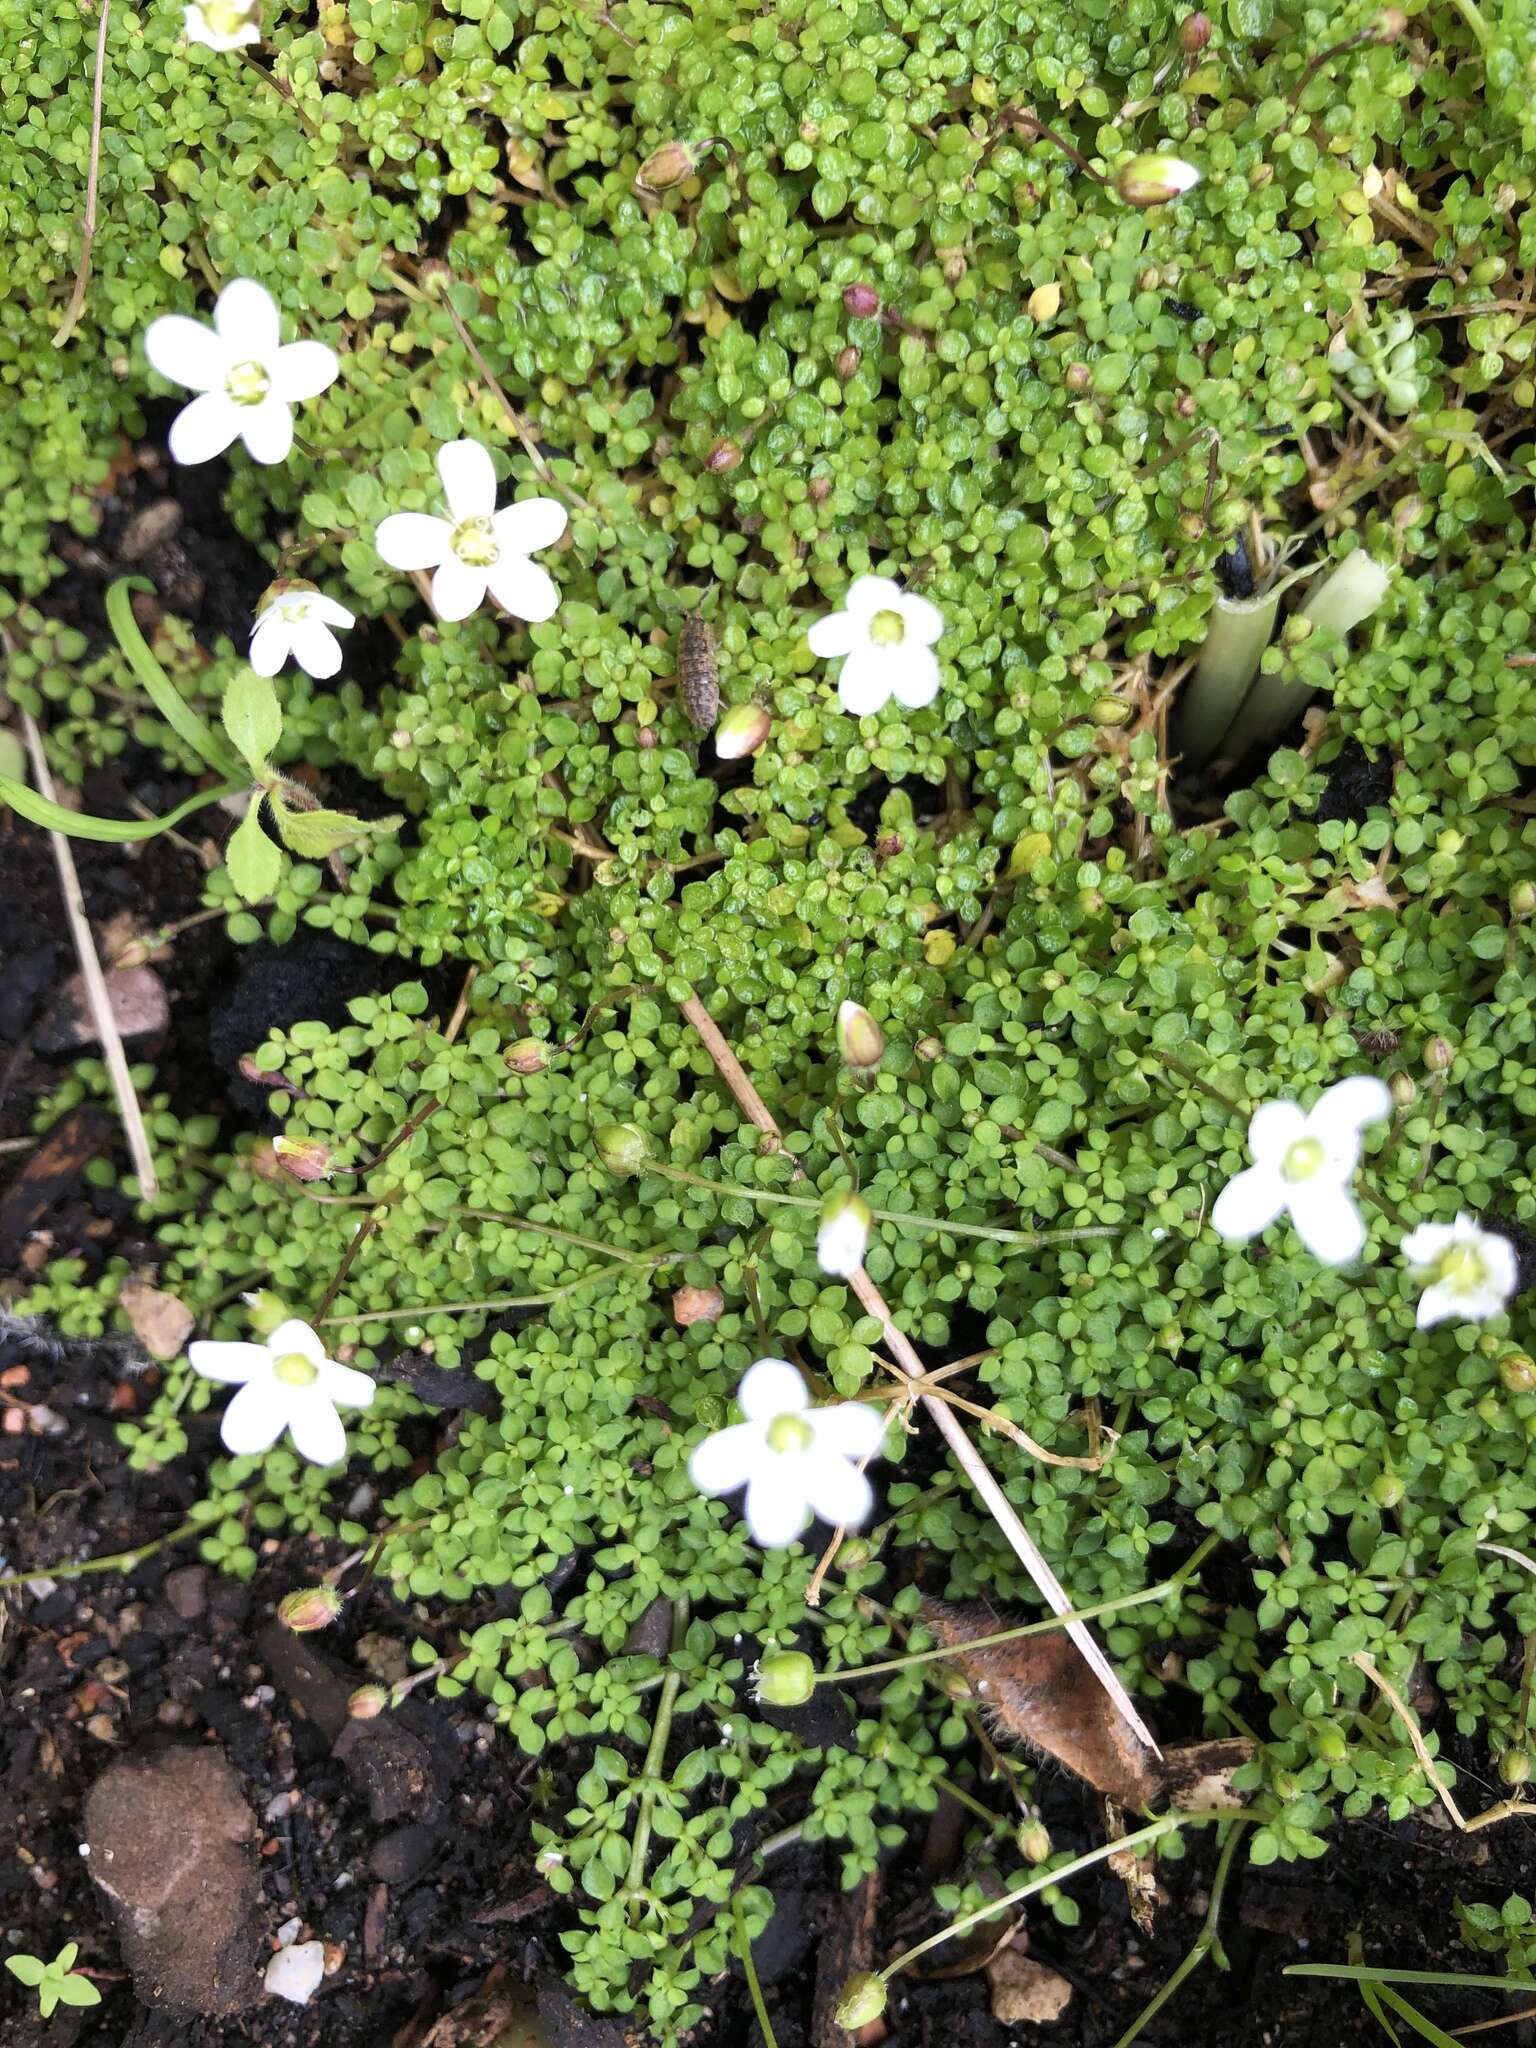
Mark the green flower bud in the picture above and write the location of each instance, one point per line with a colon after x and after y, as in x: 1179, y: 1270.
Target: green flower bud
x: 621, y: 1148
x: 1032, y: 1839
x: 310, y: 1608
x: 1518, y: 1372
x: 860, y: 1041
x: 1439, y: 1054
x: 863, y: 1999
x: 1154, y: 180
x: 671, y: 165
x: 526, y: 1056
x: 1522, y: 899
x: 1386, y: 1490
x: 1515, y: 1767
x: 1109, y: 711
x: 785, y: 1678
x: 265, y: 1311
x: 742, y: 731
x: 1404, y: 1089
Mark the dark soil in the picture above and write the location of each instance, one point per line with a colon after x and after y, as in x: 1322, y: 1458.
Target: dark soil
x: 409, y: 1852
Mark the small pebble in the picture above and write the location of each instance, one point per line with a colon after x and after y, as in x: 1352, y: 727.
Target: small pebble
x: 295, y: 1972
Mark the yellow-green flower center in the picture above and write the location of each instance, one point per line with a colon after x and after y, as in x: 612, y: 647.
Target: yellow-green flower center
x: 1462, y: 1268
x: 475, y: 544
x: 247, y: 383
x: 295, y: 1370
x: 789, y: 1433
x: 225, y: 17
x: 887, y: 629
x: 1303, y: 1159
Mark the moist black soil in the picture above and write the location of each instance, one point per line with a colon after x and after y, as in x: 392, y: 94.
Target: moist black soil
x: 413, y: 1862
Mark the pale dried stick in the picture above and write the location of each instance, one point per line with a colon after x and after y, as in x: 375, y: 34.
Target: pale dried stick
x: 76, y: 304
x: 966, y: 1455
x: 92, y: 978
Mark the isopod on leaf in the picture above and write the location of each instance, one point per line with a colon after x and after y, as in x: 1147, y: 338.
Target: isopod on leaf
x: 698, y: 674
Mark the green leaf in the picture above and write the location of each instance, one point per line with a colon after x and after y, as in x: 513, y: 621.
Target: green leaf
x: 253, y: 717
x: 1436, y: 2036
x: 47, y: 1999
x: 27, y: 1968
x: 41, y: 810
x: 314, y: 835
x: 64, y: 1961
x: 253, y: 860
x: 168, y: 701
x: 79, y: 1991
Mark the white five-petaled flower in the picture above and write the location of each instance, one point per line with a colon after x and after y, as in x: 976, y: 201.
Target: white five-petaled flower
x: 1303, y: 1161
x: 285, y: 1383
x: 222, y: 24
x: 296, y: 623
x: 885, y: 636
x: 792, y: 1458
x: 843, y: 1235
x: 1470, y: 1272
x: 247, y: 379
x: 477, y: 548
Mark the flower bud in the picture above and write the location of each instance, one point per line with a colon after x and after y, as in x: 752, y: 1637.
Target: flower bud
x: 1515, y: 1767
x: 1517, y: 1370
x: 692, y: 1305
x: 1438, y: 1055
x: 860, y: 1041
x: 930, y: 1049
x: 310, y: 1608
x: 265, y: 1311
x: 1154, y: 180
x: 819, y: 489
x: 862, y: 1999
x: 1404, y: 1089
x: 843, y: 1235
x: 1194, y: 34
x: 1044, y: 302
x: 1032, y: 1839
x: 526, y: 1056
x: 1391, y: 25
x: 741, y: 731
x: 861, y: 301
x: 723, y: 458
x: 304, y: 1158
x: 1109, y: 711
x: 671, y: 165
x: 548, y: 1861
x: 368, y: 1702
x: 785, y: 1678
x: 1387, y: 1490
x: 621, y: 1148
x: 856, y: 1555
x: 953, y: 265
x: 1522, y: 899
x: 848, y: 361
x: 1079, y: 376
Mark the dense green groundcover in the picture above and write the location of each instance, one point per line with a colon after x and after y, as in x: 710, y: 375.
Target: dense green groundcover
x: 1069, y: 974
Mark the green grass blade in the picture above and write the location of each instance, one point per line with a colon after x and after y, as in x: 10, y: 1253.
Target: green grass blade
x: 173, y: 708
x: 1364, y: 1974
x: 39, y: 810
x: 1411, y: 2016
x: 1373, y: 2006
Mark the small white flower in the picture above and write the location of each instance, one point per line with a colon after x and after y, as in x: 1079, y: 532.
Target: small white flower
x: 885, y: 636
x: 222, y: 24
x: 1303, y: 1161
x: 792, y: 1458
x: 1471, y: 1272
x: 285, y: 1383
x: 248, y: 380
x: 477, y: 548
x: 295, y: 624
x: 843, y: 1235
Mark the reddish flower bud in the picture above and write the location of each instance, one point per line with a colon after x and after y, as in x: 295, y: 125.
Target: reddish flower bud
x: 723, y: 458
x: 848, y: 361
x: 310, y: 1608
x: 303, y: 1158
x: 368, y: 1702
x: 861, y: 301
x: 526, y: 1056
x: 1194, y: 34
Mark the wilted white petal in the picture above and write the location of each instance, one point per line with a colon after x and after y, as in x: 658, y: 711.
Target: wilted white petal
x: 234, y: 1364
x: 267, y: 430
x: 727, y: 1459
x: 775, y: 1513
x: 530, y: 524
x: 205, y: 428
x: 1248, y: 1203
x: 838, y: 633
x: 187, y: 352
x: 457, y: 590
x: 303, y: 369
x: 769, y: 1388
x: 524, y: 589
x: 412, y: 540
x: 469, y: 480
x: 255, y: 1418
x: 1273, y: 1129
x: 246, y: 318
x: 1327, y: 1221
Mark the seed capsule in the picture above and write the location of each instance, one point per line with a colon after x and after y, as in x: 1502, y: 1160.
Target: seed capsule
x: 1155, y: 179
x: 698, y: 674
x: 310, y: 1608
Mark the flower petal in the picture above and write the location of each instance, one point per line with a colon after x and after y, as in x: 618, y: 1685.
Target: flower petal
x: 256, y: 1418
x: 186, y: 351
x: 469, y: 479
x: 1327, y: 1221
x: 234, y: 1364
x: 316, y: 1428
x: 204, y: 428
x: 1421, y: 1247
x: 913, y: 674
x: 1436, y: 1305
x: 924, y: 621
x: 863, y: 684
x: 529, y: 524
x: 838, y: 1491
x: 870, y: 594
x: 303, y: 369
x: 727, y: 1459
x: 345, y: 1387
x: 296, y: 1336
x: 854, y: 1429
x: 769, y: 1388
x: 775, y: 1513
x: 1354, y: 1103
x: 246, y: 317
x: 1248, y: 1203
x: 328, y: 611
x: 836, y: 634
x: 1502, y: 1260
x: 316, y: 649
x: 412, y: 540
x: 267, y: 430
x: 1272, y: 1130
x: 457, y: 590
x: 270, y: 644
x: 524, y: 589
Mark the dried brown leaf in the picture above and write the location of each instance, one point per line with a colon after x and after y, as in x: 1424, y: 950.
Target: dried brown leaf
x: 161, y: 1323
x: 1024, y: 1990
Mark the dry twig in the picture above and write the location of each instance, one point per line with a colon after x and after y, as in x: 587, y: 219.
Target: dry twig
x: 76, y: 304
